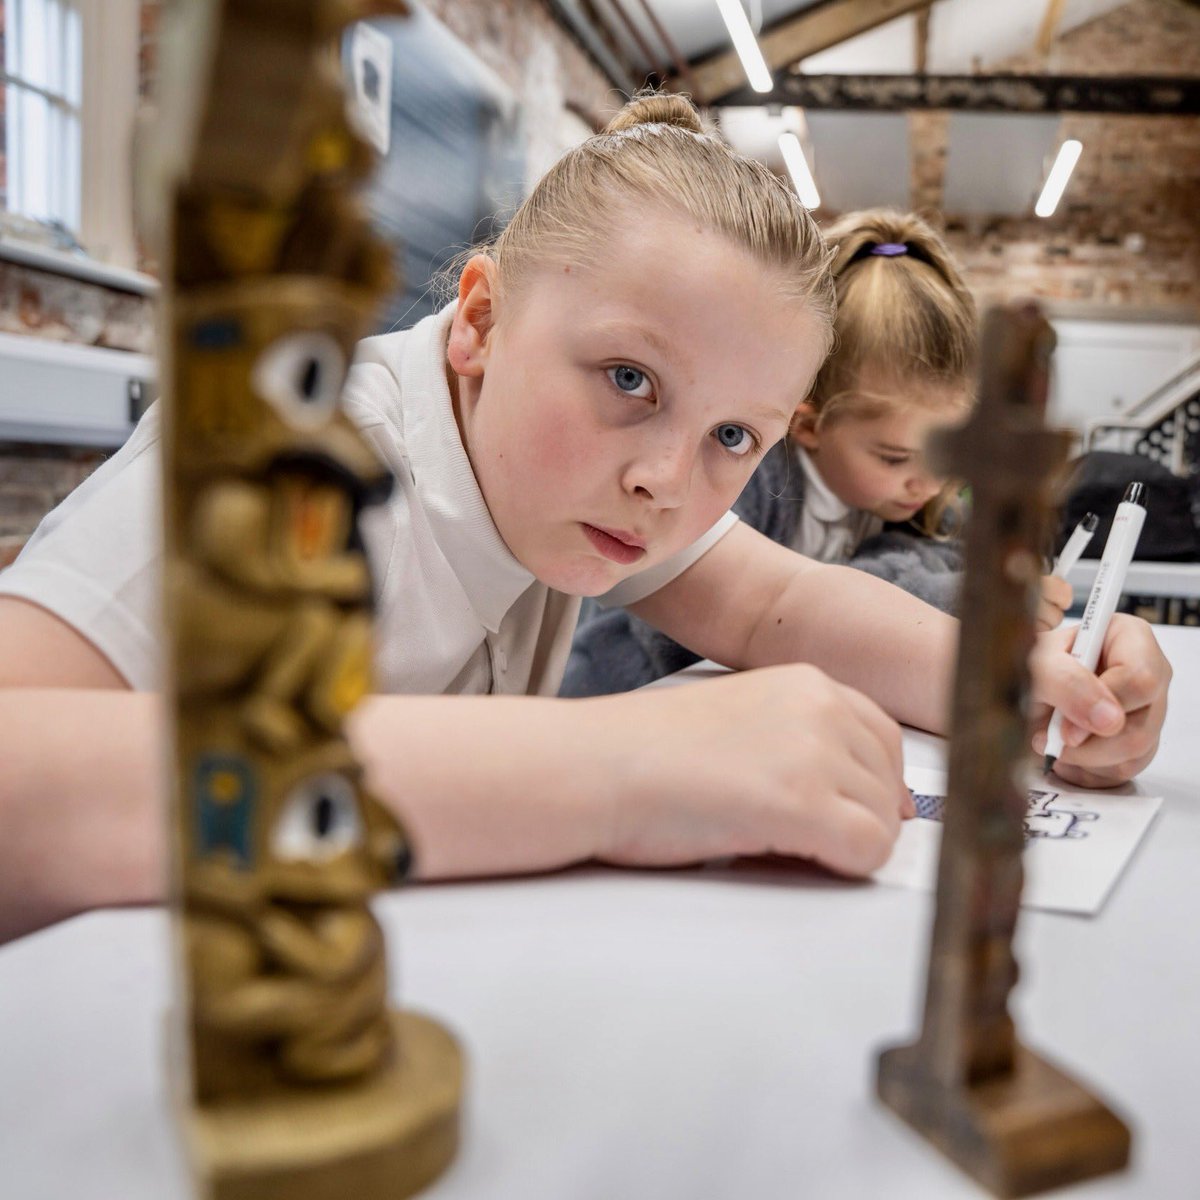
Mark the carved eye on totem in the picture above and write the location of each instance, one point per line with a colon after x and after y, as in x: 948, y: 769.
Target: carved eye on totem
x: 320, y: 820
x: 301, y: 375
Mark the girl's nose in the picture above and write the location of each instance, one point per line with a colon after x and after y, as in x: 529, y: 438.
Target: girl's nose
x: 923, y: 487
x: 662, y: 473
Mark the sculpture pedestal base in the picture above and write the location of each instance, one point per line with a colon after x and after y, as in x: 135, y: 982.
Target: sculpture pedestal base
x: 1015, y: 1135
x: 387, y: 1138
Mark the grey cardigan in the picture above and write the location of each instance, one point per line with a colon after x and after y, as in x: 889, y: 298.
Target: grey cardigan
x: 614, y: 651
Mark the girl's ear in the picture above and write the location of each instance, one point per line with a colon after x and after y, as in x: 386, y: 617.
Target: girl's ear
x: 803, y: 428
x: 470, y: 333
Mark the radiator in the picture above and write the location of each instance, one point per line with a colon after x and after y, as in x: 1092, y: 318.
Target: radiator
x: 77, y: 395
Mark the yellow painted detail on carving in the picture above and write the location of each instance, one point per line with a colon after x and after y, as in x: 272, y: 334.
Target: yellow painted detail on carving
x: 328, y: 152
x: 353, y: 680
x: 216, y: 398
x: 225, y: 787
x: 247, y: 239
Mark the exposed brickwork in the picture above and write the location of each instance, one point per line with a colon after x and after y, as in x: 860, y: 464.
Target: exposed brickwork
x: 33, y: 479
x: 927, y: 139
x: 514, y: 36
x: 518, y: 39
x: 66, y: 310
x: 148, y: 45
x: 1127, y: 234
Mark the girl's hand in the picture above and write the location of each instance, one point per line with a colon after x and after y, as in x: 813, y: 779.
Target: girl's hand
x: 1056, y: 597
x: 781, y: 760
x: 1113, y: 719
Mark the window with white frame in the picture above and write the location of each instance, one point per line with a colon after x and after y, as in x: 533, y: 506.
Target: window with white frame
x: 67, y: 109
x: 43, y: 97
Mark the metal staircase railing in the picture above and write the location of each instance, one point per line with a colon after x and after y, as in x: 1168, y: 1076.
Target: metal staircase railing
x: 1164, y: 425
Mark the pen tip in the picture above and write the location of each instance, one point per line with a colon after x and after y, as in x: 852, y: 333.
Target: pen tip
x: 1049, y: 762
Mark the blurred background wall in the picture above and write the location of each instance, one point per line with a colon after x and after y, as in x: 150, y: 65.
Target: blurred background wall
x: 486, y: 93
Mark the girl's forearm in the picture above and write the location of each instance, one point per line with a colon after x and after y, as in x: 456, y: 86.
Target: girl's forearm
x: 82, y: 823
x: 486, y: 785
x: 869, y: 634
x: 491, y: 785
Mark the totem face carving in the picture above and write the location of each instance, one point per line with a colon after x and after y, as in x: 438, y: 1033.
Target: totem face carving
x: 285, y: 1062
x: 290, y: 979
x: 270, y: 595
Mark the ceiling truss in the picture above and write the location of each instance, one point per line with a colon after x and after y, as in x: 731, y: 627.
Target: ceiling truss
x: 1123, y: 95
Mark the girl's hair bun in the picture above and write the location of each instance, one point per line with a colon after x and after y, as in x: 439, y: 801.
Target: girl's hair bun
x: 657, y: 108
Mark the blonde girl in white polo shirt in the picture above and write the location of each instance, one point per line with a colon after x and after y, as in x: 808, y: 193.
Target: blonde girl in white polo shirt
x: 578, y: 424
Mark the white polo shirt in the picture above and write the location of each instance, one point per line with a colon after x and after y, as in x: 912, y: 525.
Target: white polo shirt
x: 457, y: 613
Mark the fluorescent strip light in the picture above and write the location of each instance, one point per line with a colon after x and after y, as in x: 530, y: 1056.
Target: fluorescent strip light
x: 1056, y: 181
x: 797, y: 165
x: 746, y: 45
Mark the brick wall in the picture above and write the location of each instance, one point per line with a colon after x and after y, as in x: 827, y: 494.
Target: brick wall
x: 1126, y: 235
x: 523, y: 43
x: 33, y: 479
x: 517, y: 38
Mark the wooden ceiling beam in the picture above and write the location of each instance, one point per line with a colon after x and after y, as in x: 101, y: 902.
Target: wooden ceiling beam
x: 1118, y: 95
x: 1048, y: 30
x: 795, y: 38
x: 921, y: 40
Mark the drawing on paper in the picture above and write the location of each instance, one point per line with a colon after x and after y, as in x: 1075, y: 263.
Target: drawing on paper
x: 1043, y: 819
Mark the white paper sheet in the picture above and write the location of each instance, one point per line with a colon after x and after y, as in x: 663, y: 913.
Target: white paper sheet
x: 1077, y: 842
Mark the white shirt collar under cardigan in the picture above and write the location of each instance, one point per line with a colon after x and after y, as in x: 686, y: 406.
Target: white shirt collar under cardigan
x: 829, y: 530
x: 441, y: 471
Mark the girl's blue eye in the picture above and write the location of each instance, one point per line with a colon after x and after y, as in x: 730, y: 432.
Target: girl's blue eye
x: 630, y: 380
x: 734, y: 438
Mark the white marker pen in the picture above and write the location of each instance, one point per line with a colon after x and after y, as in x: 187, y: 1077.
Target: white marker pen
x: 1077, y: 543
x: 1102, y: 603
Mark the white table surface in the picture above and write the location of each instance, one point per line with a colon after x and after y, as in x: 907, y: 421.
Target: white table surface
x: 694, y: 1034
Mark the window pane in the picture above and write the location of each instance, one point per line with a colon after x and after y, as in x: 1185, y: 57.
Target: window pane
x: 72, y: 57
x: 5, y: 21
x: 69, y: 191
x: 3, y: 148
x: 9, y: 19
x: 40, y: 156
x: 31, y: 43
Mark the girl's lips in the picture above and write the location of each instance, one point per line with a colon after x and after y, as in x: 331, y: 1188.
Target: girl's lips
x: 613, y: 547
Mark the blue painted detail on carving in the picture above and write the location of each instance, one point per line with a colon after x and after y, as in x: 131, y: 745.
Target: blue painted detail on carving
x: 219, y: 334
x: 225, y: 795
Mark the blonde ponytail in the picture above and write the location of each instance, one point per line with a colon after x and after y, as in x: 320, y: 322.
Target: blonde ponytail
x: 904, y: 315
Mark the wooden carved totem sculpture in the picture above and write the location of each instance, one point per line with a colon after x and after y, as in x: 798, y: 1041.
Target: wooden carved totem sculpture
x: 1009, y: 1118
x: 296, y: 1079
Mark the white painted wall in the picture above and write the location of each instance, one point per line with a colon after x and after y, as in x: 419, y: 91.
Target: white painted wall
x: 1102, y: 367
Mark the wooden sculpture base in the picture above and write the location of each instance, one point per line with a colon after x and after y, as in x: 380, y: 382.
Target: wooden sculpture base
x: 386, y: 1138
x: 1017, y: 1134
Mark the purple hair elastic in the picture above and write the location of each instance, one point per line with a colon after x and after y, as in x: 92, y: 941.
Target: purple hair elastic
x: 890, y: 249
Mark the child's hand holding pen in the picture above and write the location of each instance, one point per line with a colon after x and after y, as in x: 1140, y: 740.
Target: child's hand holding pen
x: 1057, y: 595
x: 1134, y: 675
x: 1055, y: 598
x: 1111, y: 718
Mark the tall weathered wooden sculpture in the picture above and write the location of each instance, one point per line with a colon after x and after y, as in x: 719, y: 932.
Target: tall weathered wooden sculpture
x: 1005, y: 1115
x: 295, y: 1078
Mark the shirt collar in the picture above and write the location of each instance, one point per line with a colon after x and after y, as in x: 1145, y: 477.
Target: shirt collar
x: 491, y: 576
x: 818, y: 498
